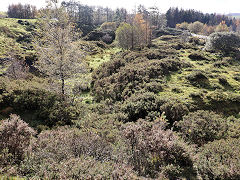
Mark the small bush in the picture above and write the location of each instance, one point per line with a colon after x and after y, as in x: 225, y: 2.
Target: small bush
x: 219, y: 160
x: 15, y: 137
x: 201, y: 127
x: 198, y: 78
x: 196, y: 27
x: 155, y: 150
x: 222, y: 101
x: 173, y: 109
x: 140, y: 105
x: 223, y: 81
x: 223, y: 41
x: 195, y: 56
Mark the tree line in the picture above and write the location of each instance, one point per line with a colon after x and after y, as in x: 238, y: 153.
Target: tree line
x: 89, y: 17
x: 21, y: 11
x: 176, y: 16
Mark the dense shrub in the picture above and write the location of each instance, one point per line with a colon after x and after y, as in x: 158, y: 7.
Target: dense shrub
x: 196, y: 40
x: 155, y: 151
x: 223, y: 41
x: 141, y: 105
x: 148, y: 106
x: 219, y: 160
x: 201, y: 127
x: 68, y: 153
x: 15, y: 137
x: 223, y: 81
x: 195, y: 56
x: 97, y: 35
x: 225, y: 102
x: 18, y: 70
x: 129, y: 78
x: 198, y: 78
x: 168, y: 31
x: 48, y: 108
x: 91, y: 47
x: 196, y: 27
x: 174, y: 109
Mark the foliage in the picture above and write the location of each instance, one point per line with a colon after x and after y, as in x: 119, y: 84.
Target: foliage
x: 109, y: 26
x: 183, y: 25
x: 196, y: 27
x: 223, y: 41
x: 127, y: 36
x: 201, y: 127
x: 141, y: 105
x: 134, y: 36
x: 58, y: 54
x: 155, y: 150
x: 46, y: 108
x: 107, y: 36
x: 69, y: 153
x: 20, y: 11
x: 226, y: 102
x: 219, y: 160
x: 222, y: 27
x: 176, y: 16
x: 196, y: 56
x: 15, y: 137
x: 126, y: 80
x: 81, y: 15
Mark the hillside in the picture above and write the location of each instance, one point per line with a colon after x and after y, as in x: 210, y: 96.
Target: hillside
x: 166, y: 110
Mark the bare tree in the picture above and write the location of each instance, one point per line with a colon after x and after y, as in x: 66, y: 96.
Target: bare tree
x: 59, y: 56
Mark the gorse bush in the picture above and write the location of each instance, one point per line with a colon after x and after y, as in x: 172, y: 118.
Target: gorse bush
x: 45, y: 107
x: 198, y: 78
x: 201, y: 127
x: 141, y: 105
x: 148, y: 106
x: 219, y: 160
x: 223, y: 41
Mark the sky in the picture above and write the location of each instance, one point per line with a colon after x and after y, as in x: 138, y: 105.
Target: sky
x: 206, y: 6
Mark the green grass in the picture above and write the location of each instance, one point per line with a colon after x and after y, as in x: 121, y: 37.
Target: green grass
x: 11, y: 26
x: 177, y: 86
x: 96, y: 60
x: 84, y: 79
x: 10, y: 178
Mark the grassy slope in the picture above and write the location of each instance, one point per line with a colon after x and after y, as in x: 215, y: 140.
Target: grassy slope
x: 94, y: 62
x: 178, y: 86
x: 10, y: 30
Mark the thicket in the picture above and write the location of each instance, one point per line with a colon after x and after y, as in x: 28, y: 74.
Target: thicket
x: 47, y: 108
x: 121, y: 77
x: 143, y: 119
x: 201, y: 127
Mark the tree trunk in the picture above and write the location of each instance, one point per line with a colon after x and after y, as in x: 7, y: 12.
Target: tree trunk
x: 63, y: 84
